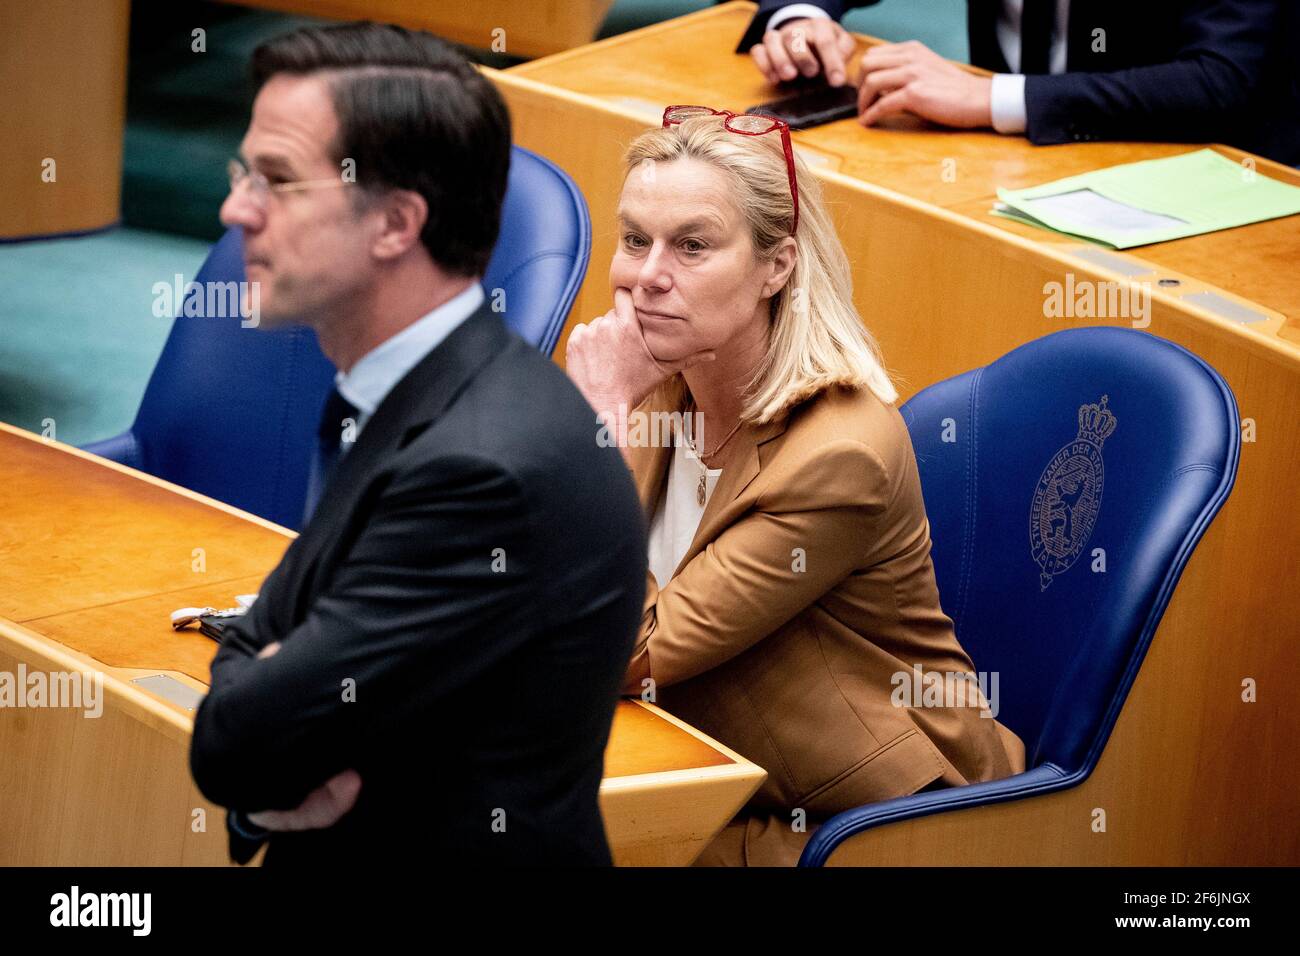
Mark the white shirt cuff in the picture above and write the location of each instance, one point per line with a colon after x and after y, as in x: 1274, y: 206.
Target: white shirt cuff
x: 1007, y: 102
x: 796, y: 10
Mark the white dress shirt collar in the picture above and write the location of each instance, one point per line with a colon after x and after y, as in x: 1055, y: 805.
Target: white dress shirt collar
x: 373, y: 376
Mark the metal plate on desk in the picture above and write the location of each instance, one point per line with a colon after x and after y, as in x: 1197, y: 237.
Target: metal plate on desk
x: 1213, y: 302
x: 170, y: 689
x: 1113, y: 261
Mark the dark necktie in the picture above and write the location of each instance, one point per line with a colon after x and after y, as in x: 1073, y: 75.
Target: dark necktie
x: 1036, y: 21
x: 338, y: 418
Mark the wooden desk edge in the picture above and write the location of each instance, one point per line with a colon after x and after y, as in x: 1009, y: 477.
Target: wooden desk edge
x: 1263, y: 341
x: 739, y: 768
x: 178, y: 722
x: 150, y: 479
x: 154, y: 710
x: 137, y: 703
x: 620, y: 39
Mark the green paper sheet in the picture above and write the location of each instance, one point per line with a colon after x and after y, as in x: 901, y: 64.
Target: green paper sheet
x: 1152, y: 201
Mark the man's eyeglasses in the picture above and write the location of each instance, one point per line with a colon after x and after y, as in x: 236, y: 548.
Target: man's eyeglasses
x: 260, y: 188
x: 746, y: 124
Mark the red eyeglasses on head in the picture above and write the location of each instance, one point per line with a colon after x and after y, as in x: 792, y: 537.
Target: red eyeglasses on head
x: 746, y: 124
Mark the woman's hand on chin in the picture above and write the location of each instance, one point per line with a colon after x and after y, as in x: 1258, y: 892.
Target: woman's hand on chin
x: 609, y: 361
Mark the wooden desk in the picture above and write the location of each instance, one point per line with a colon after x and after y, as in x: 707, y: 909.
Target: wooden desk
x: 1191, y: 774
x: 93, y: 559
x: 524, y: 28
x: 63, y: 72
x: 563, y: 102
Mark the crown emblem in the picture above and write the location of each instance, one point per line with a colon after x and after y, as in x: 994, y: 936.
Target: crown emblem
x: 1067, y: 499
x: 1096, y: 422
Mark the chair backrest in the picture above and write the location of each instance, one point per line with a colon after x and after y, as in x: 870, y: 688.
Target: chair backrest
x: 232, y: 412
x: 1066, y: 485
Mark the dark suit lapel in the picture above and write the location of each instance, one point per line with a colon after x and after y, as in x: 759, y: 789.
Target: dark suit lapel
x: 413, y: 404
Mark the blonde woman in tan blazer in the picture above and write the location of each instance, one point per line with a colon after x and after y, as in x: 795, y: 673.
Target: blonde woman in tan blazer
x: 791, y: 602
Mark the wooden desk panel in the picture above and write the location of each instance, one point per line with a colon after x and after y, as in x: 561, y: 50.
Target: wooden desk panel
x: 526, y: 27
x: 97, y: 631
x: 63, y: 72
x: 649, y: 742
x: 80, y: 525
x: 1191, y: 773
x: 116, y: 789
x: 641, y: 72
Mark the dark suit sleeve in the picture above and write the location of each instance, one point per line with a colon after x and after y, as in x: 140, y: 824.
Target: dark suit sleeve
x: 1199, y: 96
x: 422, y: 604
x: 245, y: 838
x: 754, y: 32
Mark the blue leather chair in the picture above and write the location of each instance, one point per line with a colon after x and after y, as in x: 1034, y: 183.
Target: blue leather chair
x: 1086, y: 445
x: 232, y: 412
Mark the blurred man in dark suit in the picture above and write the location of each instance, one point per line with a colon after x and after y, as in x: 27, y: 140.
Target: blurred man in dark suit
x: 431, y: 671
x: 1069, y: 70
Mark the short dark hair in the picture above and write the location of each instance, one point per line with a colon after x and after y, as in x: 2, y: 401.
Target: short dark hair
x: 413, y: 114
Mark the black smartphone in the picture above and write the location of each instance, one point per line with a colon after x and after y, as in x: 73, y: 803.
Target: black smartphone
x: 813, y: 107
x: 212, y: 626
x: 216, y: 626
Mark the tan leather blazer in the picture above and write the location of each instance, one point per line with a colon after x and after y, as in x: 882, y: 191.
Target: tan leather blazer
x: 804, y: 603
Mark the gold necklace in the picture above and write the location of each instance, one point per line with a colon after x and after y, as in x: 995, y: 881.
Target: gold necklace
x: 701, y: 487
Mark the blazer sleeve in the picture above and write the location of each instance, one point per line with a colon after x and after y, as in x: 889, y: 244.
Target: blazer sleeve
x: 419, y: 608
x: 801, y: 540
x: 754, y: 32
x: 1198, y: 96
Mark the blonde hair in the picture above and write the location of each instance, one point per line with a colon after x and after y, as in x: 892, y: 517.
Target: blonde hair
x: 817, y: 339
